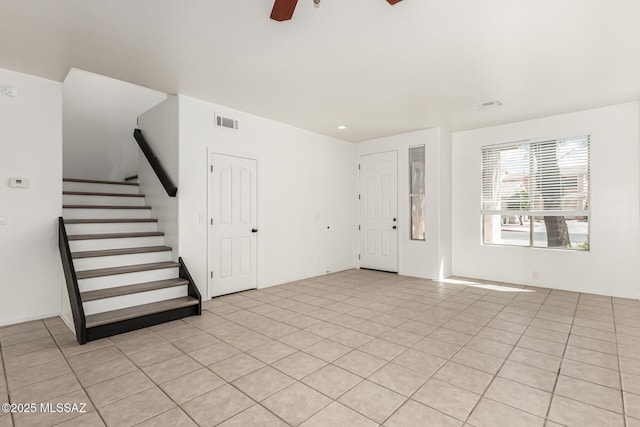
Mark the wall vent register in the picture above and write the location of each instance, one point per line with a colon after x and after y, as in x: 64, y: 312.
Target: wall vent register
x: 227, y: 123
x: 490, y: 104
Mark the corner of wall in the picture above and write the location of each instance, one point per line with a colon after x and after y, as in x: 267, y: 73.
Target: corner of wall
x: 160, y: 128
x: 445, y: 201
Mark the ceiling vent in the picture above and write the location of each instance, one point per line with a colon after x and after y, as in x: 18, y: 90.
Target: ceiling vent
x: 227, y: 123
x: 490, y: 104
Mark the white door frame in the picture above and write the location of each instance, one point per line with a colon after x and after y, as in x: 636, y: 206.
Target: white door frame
x: 232, y: 153
x: 360, y: 186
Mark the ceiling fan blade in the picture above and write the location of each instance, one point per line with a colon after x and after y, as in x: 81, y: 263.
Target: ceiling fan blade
x: 283, y: 9
x: 392, y: 2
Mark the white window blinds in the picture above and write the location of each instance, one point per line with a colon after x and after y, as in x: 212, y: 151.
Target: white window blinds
x: 539, y: 178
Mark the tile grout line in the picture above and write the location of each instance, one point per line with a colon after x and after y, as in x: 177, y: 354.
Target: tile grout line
x: 141, y: 369
x: 453, y: 355
x: 505, y: 359
x: 205, y: 367
x: 45, y: 327
x: 407, y: 398
x: 456, y: 352
x: 6, y: 382
x: 615, y: 331
x: 599, y: 366
x: 352, y: 350
x: 284, y: 373
x: 156, y: 384
x: 555, y: 383
x: 74, y: 375
x: 499, y: 312
x: 473, y: 336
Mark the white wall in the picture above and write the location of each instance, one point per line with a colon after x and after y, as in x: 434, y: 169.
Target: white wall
x: 306, y: 182
x: 611, y: 266
x: 159, y: 126
x: 99, y: 116
x: 429, y: 258
x: 30, y: 286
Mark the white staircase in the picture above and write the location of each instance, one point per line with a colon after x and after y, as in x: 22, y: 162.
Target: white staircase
x: 123, y: 269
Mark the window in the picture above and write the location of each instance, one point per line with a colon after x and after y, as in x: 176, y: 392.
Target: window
x: 416, y: 192
x: 536, y: 193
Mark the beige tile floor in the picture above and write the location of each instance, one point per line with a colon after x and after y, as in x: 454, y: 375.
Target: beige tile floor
x: 356, y: 348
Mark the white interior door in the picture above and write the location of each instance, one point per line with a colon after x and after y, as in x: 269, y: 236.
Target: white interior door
x: 379, y: 211
x: 232, y: 224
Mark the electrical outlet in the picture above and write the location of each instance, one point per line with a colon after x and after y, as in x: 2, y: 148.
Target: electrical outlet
x: 3, y: 218
x: 19, y: 183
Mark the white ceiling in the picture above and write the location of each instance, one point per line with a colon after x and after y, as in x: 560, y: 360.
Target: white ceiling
x: 378, y: 69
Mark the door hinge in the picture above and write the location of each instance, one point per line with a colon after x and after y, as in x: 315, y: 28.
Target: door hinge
x: 211, y: 168
x: 358, y: 166
x: 358, y: 256
x: 358, y: 227
x: 358, y: 197
x: 211, y: 221
x: 212, y: 274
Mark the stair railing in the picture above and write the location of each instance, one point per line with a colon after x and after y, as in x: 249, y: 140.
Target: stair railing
x: 79, y: 319
x: 161, y: 173
x: 171, y: 190
x: 193, y: 291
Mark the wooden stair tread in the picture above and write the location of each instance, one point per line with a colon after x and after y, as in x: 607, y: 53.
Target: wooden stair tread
x: 111, y: 271
x: 94, y: 193
x: 94, y: 181
x: 132, y: 289
x: 103, y: 207
x: 114, y: 235
x: 108, y: 220
x: 107, y: 317
x: 122, y: 251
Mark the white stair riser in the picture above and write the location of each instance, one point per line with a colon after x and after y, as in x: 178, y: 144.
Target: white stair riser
x: 81, y: 264
x: 127, y: 242
x: 70, y: 199
x: 111, y: 227
x: 99, y: 188
x: 96, y: 283
x: 124, y: 301
x: 105, y: 213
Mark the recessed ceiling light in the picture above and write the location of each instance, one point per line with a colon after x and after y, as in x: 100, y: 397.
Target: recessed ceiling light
x: 342, y: 127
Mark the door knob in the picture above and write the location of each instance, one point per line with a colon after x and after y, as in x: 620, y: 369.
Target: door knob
x: 394, y: 227
x: 254, y: 230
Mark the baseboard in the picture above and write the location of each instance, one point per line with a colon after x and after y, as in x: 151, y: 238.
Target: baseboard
x: 302, y: 277
x: 549, y: 286
x: 16, y: 320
